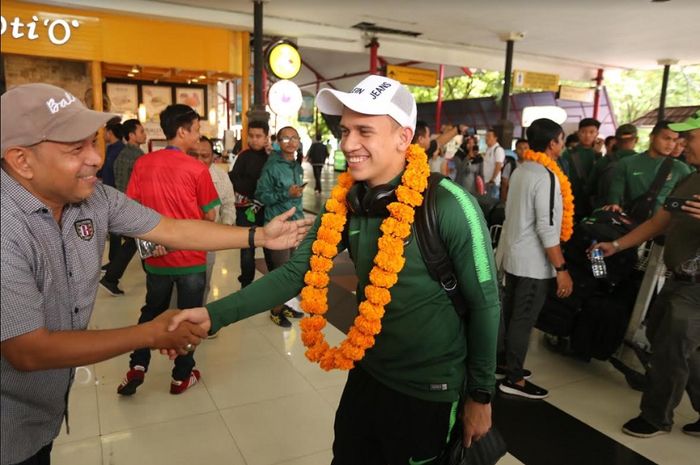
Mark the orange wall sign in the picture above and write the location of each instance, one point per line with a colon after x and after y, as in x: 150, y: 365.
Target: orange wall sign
x: 41, y: 30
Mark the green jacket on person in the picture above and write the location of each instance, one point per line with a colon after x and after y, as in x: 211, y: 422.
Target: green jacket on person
x: 278, y: 175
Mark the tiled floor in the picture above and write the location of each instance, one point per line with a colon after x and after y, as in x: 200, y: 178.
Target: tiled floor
x: 261, y: 403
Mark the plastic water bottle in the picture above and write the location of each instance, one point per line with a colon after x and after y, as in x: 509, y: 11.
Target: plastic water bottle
x: 598, y: 264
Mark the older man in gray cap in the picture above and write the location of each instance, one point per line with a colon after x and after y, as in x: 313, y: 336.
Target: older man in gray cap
x: 402, y: 397
x: 55, y: 217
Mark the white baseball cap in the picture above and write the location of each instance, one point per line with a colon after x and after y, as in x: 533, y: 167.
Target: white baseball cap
x: 374, y: 95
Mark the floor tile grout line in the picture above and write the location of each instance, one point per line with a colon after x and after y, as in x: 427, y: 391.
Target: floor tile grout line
x: 148, y: 425
x: 289, y: 459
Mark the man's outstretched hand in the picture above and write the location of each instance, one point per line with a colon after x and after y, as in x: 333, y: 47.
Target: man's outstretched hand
x: 194, y: 317
x: 174, y: 341
x: 281, y: 234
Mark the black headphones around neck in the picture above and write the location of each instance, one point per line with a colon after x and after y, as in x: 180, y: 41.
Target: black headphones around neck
x: 370, y: 201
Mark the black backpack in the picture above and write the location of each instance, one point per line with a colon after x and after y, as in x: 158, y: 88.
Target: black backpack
x: 605, y: 180
x: 602, y: 226
x: 426, y: 229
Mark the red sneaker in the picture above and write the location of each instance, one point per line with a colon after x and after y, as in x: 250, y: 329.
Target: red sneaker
x: 134, y: 379
x: 178, y: 387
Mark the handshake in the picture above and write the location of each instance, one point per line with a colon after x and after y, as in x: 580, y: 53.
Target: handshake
x: 177, y: 332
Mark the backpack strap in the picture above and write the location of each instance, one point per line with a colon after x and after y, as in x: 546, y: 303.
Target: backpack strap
x: 660, y: 179
x: 427, y: 231
x: 551, y: 197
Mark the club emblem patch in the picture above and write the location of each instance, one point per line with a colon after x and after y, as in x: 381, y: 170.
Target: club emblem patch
x: 85, y: 229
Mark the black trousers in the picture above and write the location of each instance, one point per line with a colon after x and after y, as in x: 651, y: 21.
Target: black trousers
x: 43, y: 457
x: 247, y: 255
x: 159, y: 288
x: 118, y: 263
x: 376, y: 425
x: 115, y: 243
x: 318, y: 169
x: 522, y: 303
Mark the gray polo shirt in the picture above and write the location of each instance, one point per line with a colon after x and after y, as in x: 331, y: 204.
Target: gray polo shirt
x: 49, y: 280
x: 531, y: 226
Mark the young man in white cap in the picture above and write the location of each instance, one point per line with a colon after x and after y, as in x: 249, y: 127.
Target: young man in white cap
x: 401, y: 398
x: 55, y: 218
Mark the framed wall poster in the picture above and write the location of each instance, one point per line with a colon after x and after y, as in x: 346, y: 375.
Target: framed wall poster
x: 194, y: 97
x: 157, y: 144
x: 156, y: 98
x: 124, y: 98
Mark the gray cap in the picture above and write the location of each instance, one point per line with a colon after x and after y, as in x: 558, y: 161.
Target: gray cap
x: 374, y: 95
x: 33, y: 113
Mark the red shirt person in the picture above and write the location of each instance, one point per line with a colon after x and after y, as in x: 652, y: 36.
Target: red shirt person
x: 175, y: 185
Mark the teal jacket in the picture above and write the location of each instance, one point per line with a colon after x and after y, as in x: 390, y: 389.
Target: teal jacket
x: 277, y: 176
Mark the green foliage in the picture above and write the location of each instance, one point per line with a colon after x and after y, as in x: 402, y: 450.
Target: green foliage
x: 634, y: 93
x: 480, y: 84
x: 311, y: 127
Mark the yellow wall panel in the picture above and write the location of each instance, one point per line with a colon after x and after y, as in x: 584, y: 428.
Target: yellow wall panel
x: 122, y: 39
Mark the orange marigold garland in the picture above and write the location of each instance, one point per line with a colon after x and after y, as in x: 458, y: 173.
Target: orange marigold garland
x: 388, y: 262
x: 567, y: 221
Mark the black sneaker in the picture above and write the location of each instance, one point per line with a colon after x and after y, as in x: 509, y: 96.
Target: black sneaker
x: 111, y: 287
x: 640, y: 428
x: 289, y: 312
x: 280, y: 320
x: 529, y: 391
x: 501, y: 373
x: 692, y: 429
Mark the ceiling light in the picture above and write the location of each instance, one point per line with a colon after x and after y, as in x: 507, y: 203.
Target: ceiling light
x: 130, y: 74
x: 195, y: 80
x: 135, y: 70
x: 202, y: 76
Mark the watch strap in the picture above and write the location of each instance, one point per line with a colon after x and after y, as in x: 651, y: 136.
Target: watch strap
x: 481, y: 396
x: 251, y: 237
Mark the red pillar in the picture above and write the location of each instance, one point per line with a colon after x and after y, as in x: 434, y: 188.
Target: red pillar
x: 438, y: 107
x: 264, y: 85
x: 316, y: 113
x: 596, y: 101
x: 373, y: 57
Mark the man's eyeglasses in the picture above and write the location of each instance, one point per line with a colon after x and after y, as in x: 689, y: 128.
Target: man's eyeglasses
x: 288, y: 139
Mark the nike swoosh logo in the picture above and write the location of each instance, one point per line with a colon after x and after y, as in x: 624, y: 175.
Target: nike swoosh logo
x: 637, y: 173
x: 352, y: 233
x: 412, y: 461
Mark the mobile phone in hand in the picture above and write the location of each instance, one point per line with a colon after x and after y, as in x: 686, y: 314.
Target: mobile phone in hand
x: 146, y: 248
x: 674, y: 204
x: 303, y: 185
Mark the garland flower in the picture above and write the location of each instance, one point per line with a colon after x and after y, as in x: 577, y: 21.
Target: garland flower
x: 567, y: 221
x: 388, y: 262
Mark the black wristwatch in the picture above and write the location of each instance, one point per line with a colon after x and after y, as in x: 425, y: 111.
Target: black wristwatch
x: 251, y: 237
x: 563, y: 267
x: 481, y: 396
